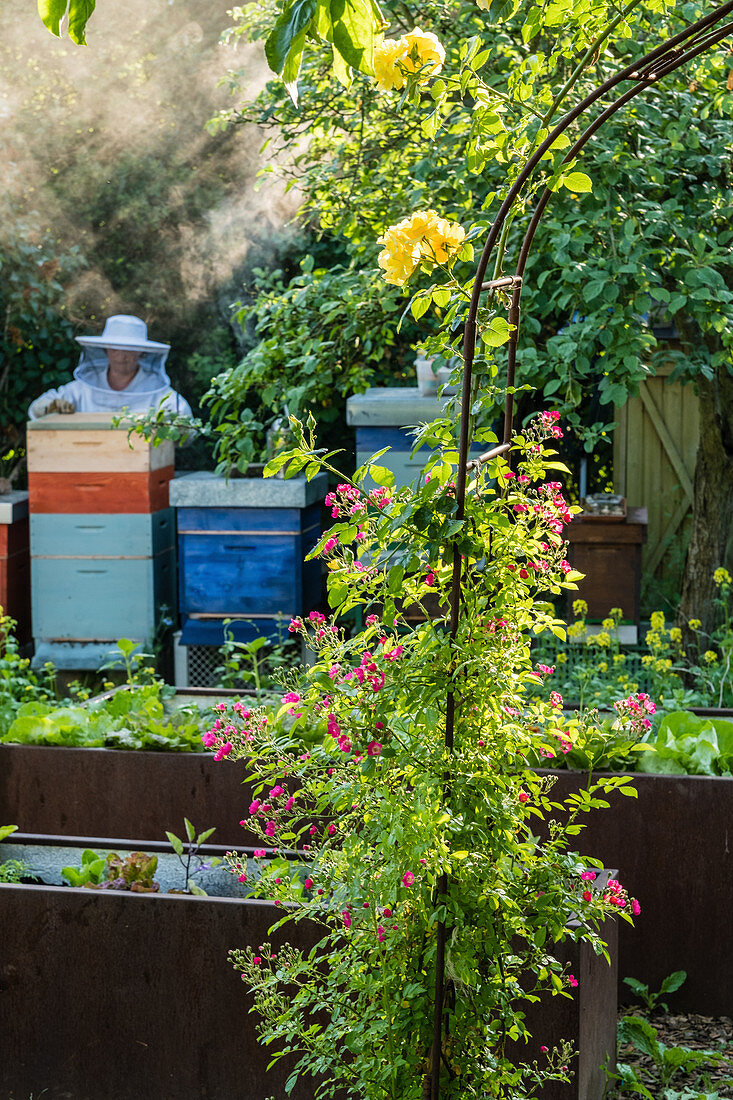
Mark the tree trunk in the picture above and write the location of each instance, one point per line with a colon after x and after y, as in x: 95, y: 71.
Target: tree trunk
x: 711, y: 542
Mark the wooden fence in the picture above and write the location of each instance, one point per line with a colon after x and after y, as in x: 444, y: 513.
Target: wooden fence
x: 654, y: 453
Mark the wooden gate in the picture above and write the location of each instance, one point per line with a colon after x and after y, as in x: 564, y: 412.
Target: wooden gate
x: 654, y: 454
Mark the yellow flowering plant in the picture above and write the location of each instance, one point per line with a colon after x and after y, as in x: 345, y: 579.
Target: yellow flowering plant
x: 412, y: 60
x: 422, y: 239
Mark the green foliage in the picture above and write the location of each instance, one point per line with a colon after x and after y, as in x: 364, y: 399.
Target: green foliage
x: 257, y: 664
x: 19, y: 685
x: 191, y: 862
x: 111, y: 872
x: 668, y: 1063
x: 76, y: 12
x: 649, y: 242
x: 92, y: 870
x: 13, y: 870
x: 685, y: 744
x: 36, y: 335
x: 323, y: 335
x: 132, y: 718
x: 650, y: 1000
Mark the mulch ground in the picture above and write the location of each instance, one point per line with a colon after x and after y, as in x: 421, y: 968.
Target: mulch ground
x: 713, y: 1033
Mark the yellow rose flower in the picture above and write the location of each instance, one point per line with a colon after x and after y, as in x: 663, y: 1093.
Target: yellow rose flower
x: 397, y: 58
x: 423, y: 54
x: 386, y: 70
x: 423, y: 237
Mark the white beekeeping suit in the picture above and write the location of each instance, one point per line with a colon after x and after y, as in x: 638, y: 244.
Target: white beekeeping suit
x: 149, y: 386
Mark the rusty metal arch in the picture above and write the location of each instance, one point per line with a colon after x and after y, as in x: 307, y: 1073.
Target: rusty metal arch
x: 685, y: 46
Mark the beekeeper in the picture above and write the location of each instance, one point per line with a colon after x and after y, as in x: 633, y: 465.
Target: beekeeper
x: 119, y: 369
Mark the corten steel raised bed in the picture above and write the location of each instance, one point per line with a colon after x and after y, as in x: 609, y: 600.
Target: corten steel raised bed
x: 588, y: 1020
x: 673, y: 847
x: 117, y: 996
x: 111, y: 792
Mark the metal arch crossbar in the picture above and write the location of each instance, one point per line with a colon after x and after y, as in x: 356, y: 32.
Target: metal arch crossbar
x: 664, y: 59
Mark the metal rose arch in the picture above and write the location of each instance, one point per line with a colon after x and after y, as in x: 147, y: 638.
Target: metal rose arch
x: 694, y: 40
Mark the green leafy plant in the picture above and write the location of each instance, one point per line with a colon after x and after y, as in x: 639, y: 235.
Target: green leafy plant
x: 135, y: 716
x: 134, y: 872
x: 19, y: 684
x: 91, y: 872
x: 685, y: 744
x: 651, y: 1000
x: 668, y: 1062
x: 11, y: 870
x: 189, y: 859
x: 256, y: 664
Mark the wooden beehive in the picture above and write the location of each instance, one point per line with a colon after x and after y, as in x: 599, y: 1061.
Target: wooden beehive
x: 79, y: 463
x: 242, y: 545
x: 15, y: 586
x: 102, y: 535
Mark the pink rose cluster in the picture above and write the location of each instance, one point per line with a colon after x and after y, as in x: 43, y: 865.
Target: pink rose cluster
x: 271, y: 810
x: 549, y: 424
x: 315, y: 622
x: 613, y: 893
x: 635, y: 711
x: 348, y: 503
x: 224, y: 736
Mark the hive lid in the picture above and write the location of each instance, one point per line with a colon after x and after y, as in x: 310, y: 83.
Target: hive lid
x: 203, y: 489
x: 13, y: 506
x: 392, y: 407
x: 96, y: 421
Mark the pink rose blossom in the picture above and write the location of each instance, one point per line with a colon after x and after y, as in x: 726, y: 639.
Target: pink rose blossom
x: 308, y: 883
x: 408, y: 878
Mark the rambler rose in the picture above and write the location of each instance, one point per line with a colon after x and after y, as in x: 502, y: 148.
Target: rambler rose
x: 396, y: 59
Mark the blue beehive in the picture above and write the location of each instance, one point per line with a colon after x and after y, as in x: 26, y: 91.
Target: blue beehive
x: 382, y: 417
x: 241, y: 550
x: 99, y: 577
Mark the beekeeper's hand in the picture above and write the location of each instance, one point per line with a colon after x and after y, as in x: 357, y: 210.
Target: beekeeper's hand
x: 58, y: 405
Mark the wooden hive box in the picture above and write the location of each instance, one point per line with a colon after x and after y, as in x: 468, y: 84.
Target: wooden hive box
x: 79, y: 463
x: 15, y: 583
x: 242, y: 545
x: 102, y: 577
x: 382, y: 417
